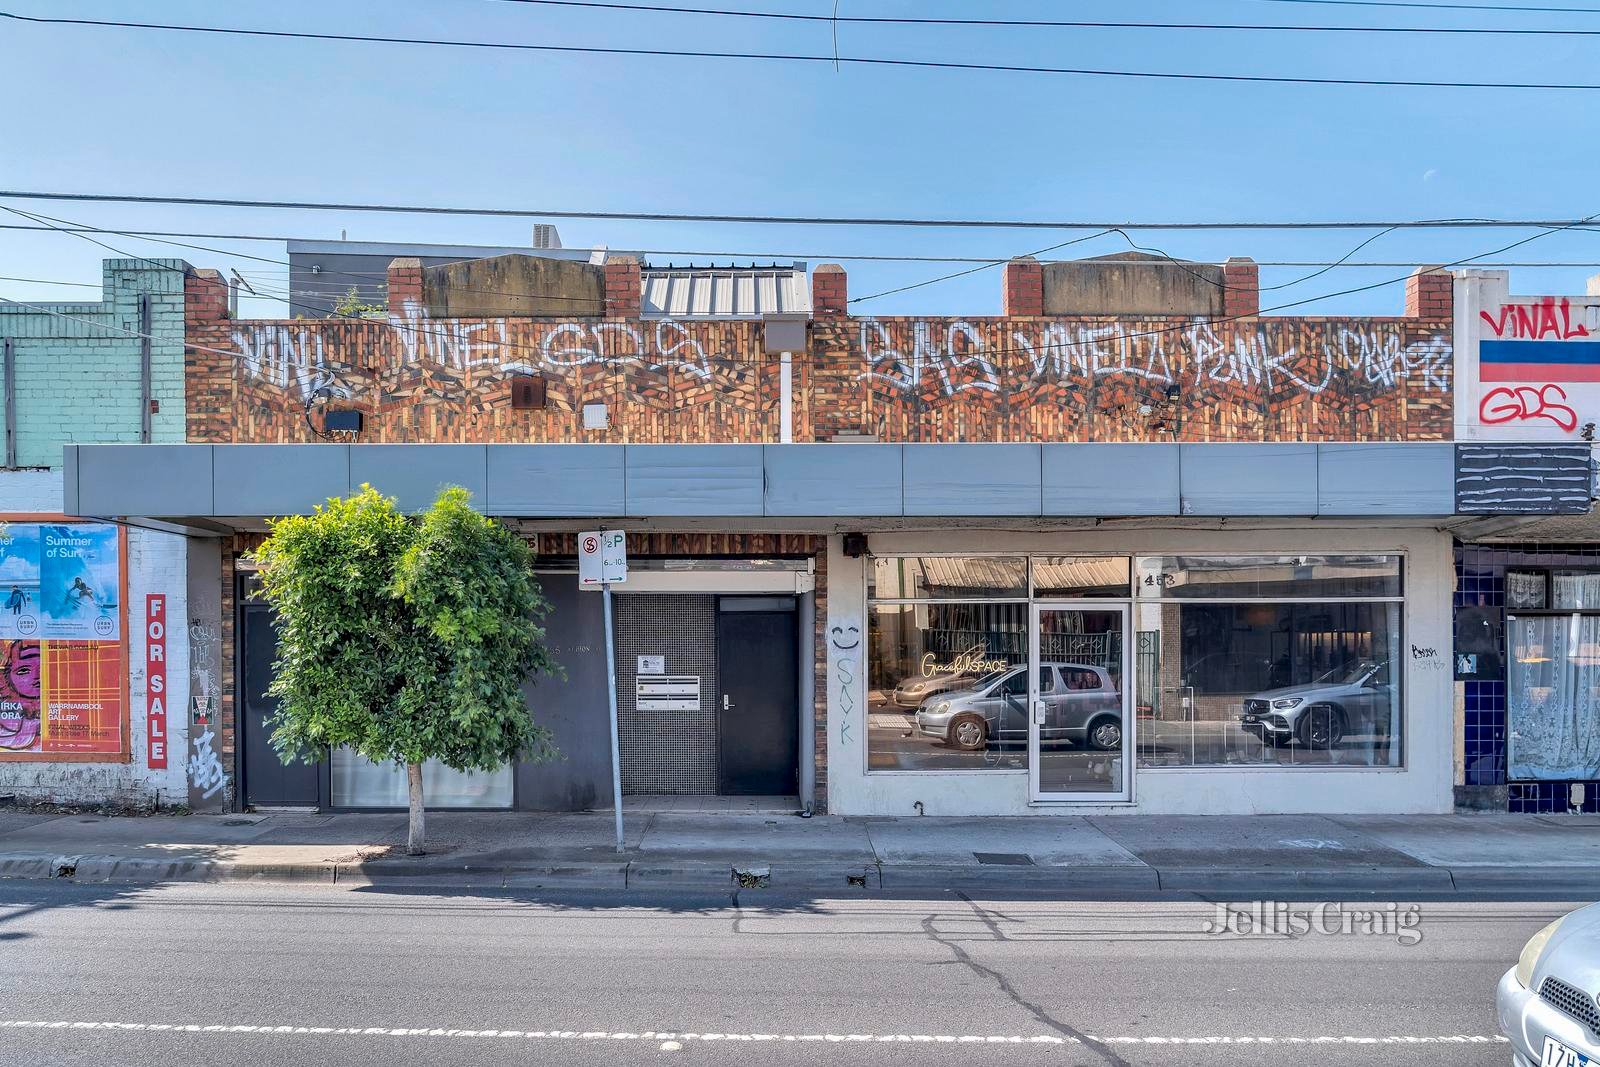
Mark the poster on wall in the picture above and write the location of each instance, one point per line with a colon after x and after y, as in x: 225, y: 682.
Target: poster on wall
x: 19, y: 580
x: 63, y: 659
x: 79, y: 572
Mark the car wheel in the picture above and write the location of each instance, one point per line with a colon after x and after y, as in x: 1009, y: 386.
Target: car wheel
x: 969, y: 732
x: 1320, y: 727
x: 1105, y: 734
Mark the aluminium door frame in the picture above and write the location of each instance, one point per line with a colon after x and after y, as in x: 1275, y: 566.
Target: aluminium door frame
x: 1036, y: 795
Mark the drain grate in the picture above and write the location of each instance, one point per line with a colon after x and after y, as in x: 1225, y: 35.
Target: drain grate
x: 1005, y: 859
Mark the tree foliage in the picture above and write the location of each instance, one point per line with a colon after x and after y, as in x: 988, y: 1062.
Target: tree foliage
x: 405, y: 639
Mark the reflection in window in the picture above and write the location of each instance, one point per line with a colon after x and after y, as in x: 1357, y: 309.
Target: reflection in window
x: 1236, y: 577
x: 946, y: 686
x: 1068, y: 577
x: 947, y: 577
x: 1301, y: 684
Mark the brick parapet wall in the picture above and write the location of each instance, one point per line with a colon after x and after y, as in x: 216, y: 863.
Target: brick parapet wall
x: 1430, y: 294
x: 1023, y: 292
x: 1004, y: 378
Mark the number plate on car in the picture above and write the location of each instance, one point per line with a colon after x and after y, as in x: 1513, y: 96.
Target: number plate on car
x: 1558, y: 1055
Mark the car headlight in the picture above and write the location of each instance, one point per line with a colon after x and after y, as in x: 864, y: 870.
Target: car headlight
x: 916, y: 687
x: 1533, y: 950
x: 1287, y: 702
x: 941, y: 707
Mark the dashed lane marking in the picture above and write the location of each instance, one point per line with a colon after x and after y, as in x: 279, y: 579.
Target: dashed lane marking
x: 676, y: 1039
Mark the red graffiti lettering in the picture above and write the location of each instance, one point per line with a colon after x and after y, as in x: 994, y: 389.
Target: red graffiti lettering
x: 1547, y: 318
x: 1525, y: 402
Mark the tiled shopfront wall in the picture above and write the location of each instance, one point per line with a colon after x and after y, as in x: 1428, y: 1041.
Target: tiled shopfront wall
x: 1480, y: 582
x: 667, y: 751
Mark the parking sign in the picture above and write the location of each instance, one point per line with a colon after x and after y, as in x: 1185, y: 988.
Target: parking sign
x: 602, y: 558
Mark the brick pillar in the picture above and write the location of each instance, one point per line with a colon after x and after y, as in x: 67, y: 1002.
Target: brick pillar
x: 830, y: 291
x: 624, y: 287
x: 405, y: 283
x: 1430, y: 294
x: 1242, y: 297
x: 205, y: 298
x: 1024, y: 287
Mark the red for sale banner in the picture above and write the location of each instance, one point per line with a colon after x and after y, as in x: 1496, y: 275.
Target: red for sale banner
x: 155, y: 674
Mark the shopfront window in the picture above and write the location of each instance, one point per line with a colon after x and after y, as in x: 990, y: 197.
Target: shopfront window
x: 1269, y: 660
x: 948, y: 641
x: 963, y: 666
x: 1553, y: 677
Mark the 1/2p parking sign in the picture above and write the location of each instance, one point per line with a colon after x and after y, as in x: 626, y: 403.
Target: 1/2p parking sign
x: 602, y: 558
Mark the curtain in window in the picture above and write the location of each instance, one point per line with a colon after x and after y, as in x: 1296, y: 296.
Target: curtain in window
x: 1554, y: 697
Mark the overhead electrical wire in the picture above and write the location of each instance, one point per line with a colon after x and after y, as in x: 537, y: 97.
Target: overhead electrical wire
x: 1076, y: 24
x: 796, y: 57
x: 795, y: 220
x: 1187, y: 324
x: 1509, y: 8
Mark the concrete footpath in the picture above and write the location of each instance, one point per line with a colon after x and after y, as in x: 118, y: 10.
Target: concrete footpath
x: 1234, y: 856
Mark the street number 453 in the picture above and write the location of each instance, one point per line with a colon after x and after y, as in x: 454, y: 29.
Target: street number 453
x: 1523, y: 403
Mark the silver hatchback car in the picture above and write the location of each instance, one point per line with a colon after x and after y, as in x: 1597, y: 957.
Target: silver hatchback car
x: 1547, y: 1003
x: 1082, y: 706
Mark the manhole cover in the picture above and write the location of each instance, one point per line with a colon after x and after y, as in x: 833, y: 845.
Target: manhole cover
x: 1005, y: 859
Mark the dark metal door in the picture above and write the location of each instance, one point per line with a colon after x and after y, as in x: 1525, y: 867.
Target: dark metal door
x: 267, y: 779
x: 757, y: 732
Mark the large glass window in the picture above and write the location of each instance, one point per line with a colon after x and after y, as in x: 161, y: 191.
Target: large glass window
x: 947, y: 686
x: 1553, y: 694
x: 947, y: 640
x: 1300, y: 669
x: 1257, y: 577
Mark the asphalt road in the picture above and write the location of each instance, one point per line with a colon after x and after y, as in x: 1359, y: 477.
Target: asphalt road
x: 105, y: 975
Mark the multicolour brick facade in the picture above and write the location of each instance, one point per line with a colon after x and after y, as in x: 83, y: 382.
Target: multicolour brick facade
x: 418, y: 378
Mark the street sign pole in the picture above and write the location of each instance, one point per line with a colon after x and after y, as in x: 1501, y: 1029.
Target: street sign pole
x: 616, y: 745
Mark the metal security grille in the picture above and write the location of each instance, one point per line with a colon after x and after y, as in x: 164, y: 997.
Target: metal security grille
x: 668, y: 751
x: 1572, y: 1000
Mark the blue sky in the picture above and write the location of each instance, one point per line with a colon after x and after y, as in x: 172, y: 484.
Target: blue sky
x: 146, y: 112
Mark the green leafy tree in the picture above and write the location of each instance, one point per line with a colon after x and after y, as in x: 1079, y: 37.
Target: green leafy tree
x: 407, y: 639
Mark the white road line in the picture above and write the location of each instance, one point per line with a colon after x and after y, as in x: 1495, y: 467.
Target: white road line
x: 678, y: 1037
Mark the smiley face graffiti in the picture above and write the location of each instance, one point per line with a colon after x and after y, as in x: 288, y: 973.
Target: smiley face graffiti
x: 846, y: 638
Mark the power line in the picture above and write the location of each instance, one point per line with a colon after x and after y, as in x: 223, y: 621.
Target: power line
x: 795, y: 57
x: 796, y: 220
x: 1086, y: 24
x: 1442, y: 7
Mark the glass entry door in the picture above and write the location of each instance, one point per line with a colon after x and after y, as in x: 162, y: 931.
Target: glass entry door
x: 1080, y: 722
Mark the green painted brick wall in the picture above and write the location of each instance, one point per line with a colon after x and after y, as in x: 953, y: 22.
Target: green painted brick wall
x: 77, y: 365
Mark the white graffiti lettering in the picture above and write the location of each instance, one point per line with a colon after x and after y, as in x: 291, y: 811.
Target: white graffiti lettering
x: 954, y: 358
x: 205, y: 769
x: 293, y: 359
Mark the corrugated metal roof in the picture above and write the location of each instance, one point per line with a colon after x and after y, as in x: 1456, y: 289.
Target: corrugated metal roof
x: 724, y: 292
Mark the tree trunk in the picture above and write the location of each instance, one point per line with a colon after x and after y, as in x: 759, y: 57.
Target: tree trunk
x: 414, y: 788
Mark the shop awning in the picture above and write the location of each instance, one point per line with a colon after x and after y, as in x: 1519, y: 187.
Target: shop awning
x: 222, y: 487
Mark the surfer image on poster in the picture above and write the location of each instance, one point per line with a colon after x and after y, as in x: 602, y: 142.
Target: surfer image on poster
x: 19, y: 581
x: 78, y: 578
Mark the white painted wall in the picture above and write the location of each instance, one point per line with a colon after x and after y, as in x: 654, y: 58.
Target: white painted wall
x: 1518, y: 411
x: 1422, y: 785
x: 30, y: 491
x: 156, y: 564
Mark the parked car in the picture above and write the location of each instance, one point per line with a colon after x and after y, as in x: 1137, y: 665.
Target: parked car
x: 1546, y: 1003
x: 1082, y: 706
x: 1356, y: 698
x: 913, y: 692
